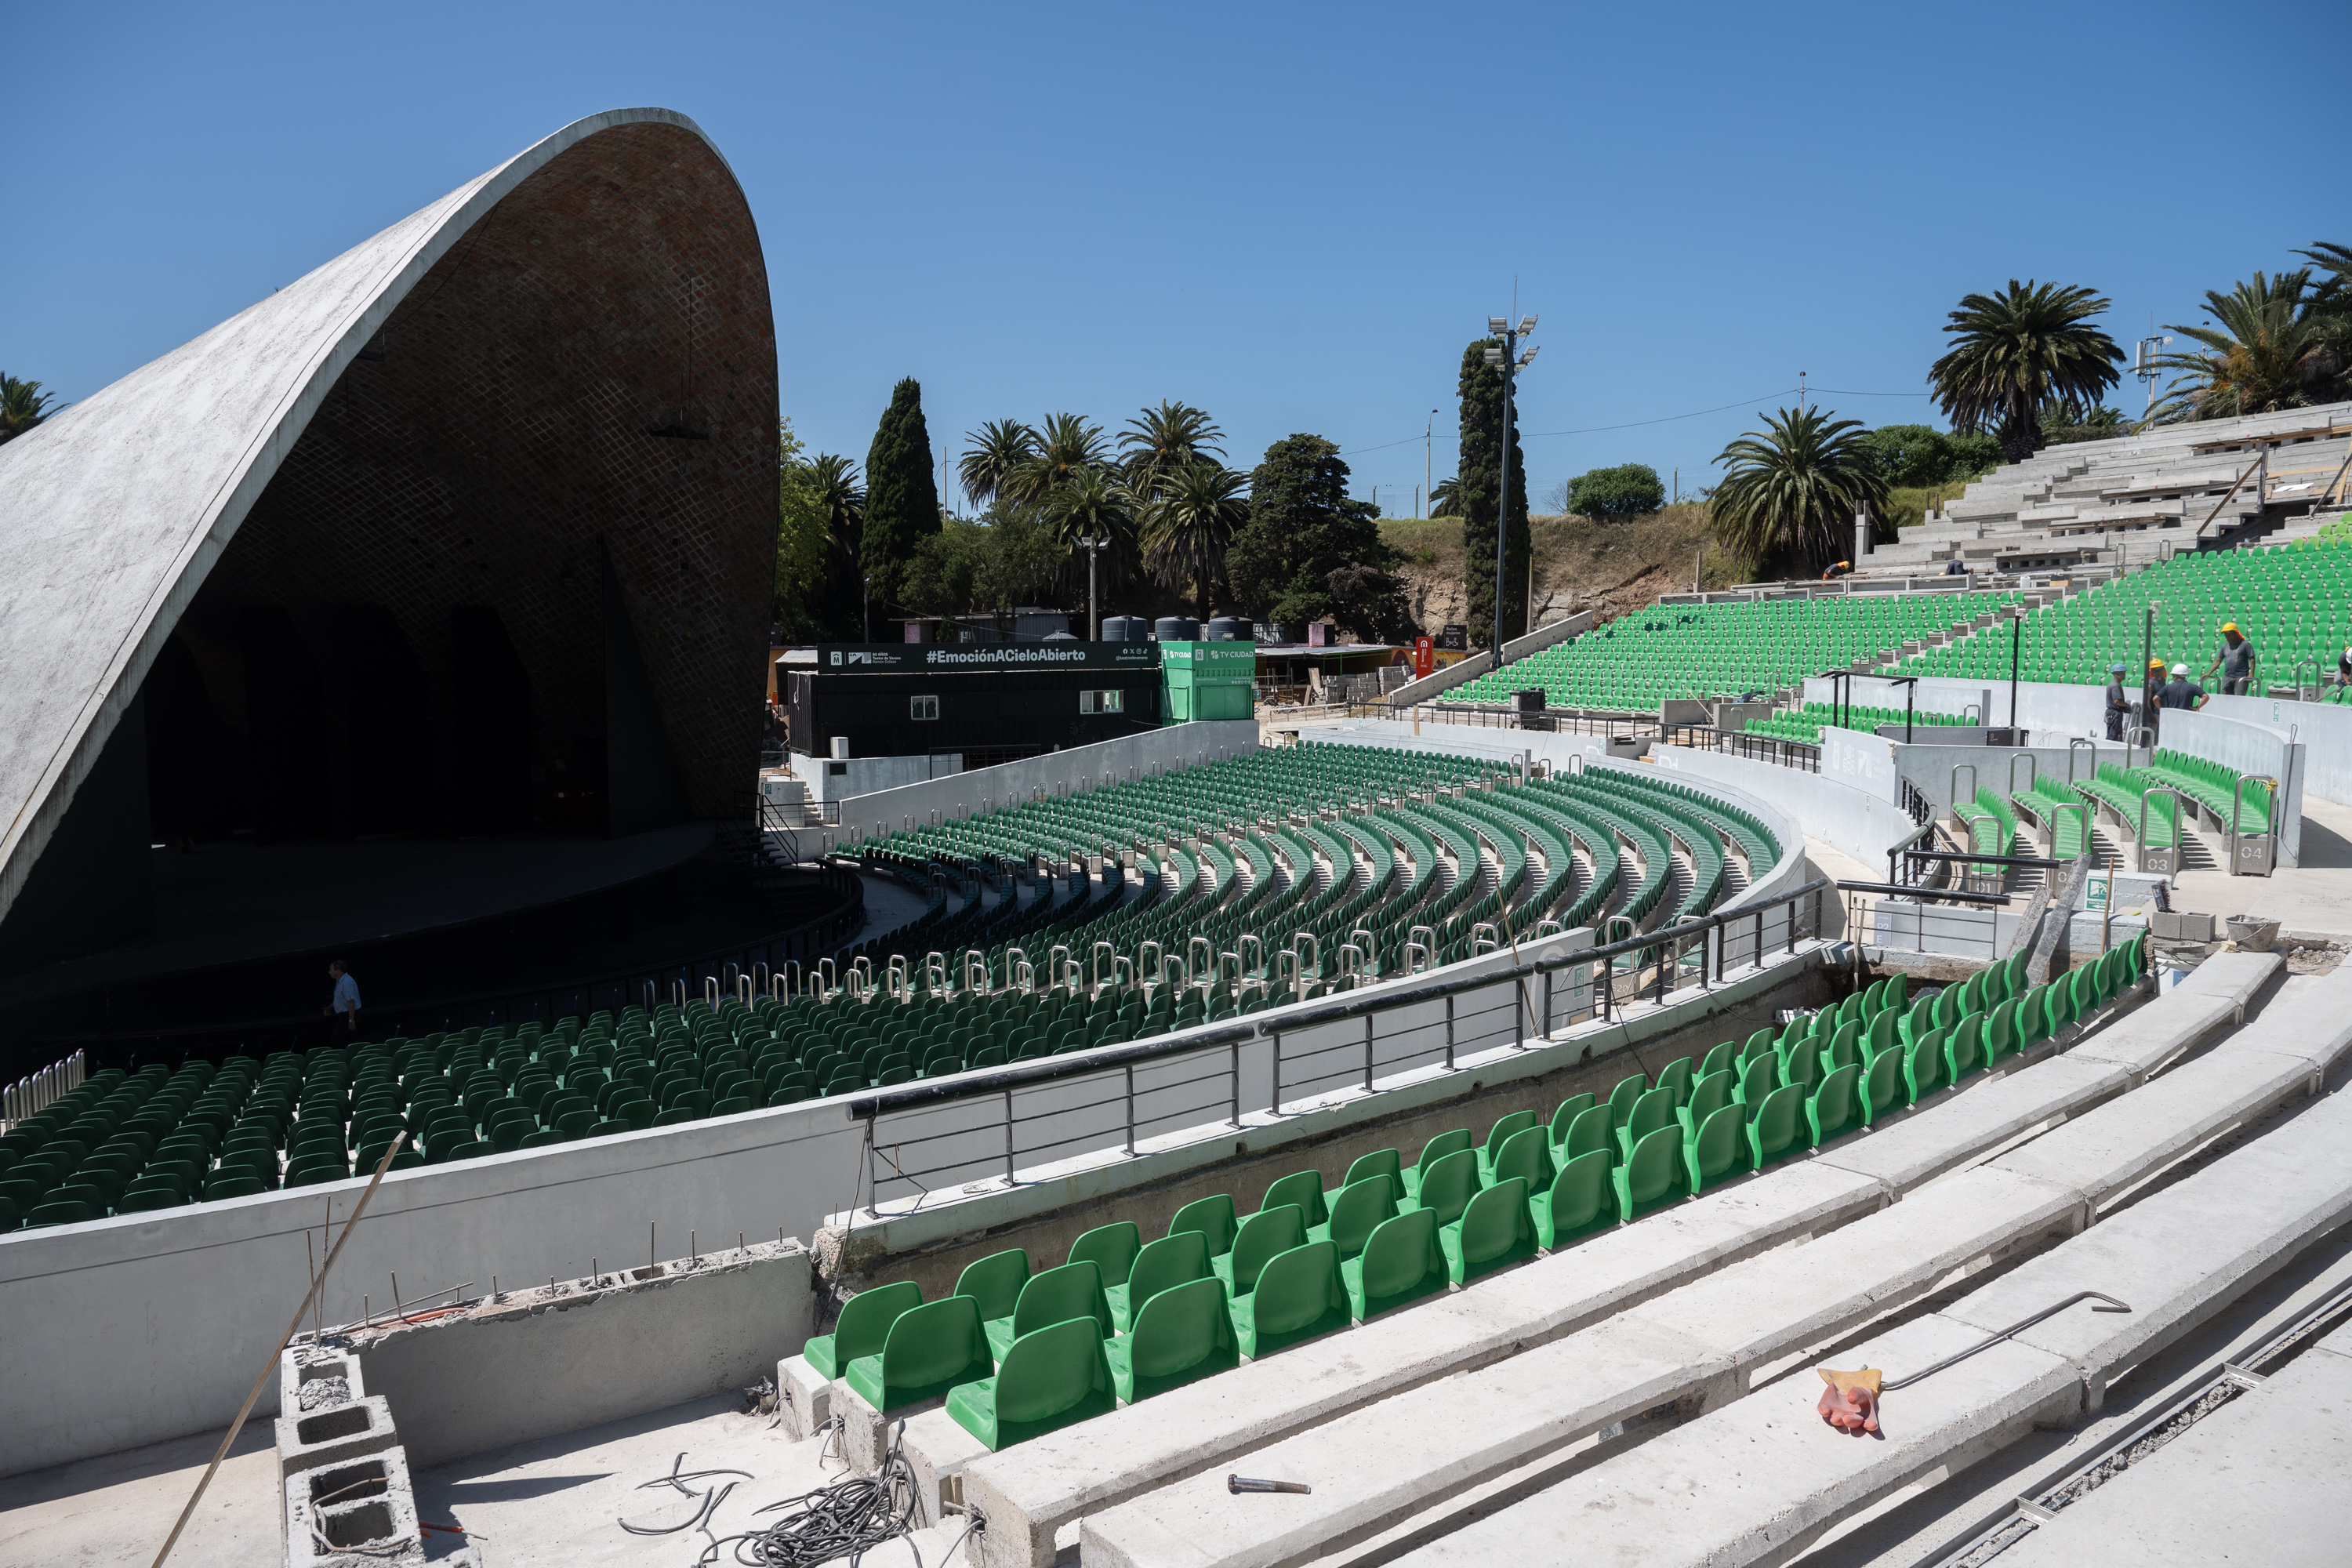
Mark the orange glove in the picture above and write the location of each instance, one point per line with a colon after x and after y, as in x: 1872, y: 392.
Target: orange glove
x: 1850, y: 1403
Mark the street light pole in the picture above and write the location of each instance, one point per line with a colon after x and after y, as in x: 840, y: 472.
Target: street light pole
x: 868, y: 601
x: 1504, y: 355
x: 1093, y: 624
x: 1428, y: 441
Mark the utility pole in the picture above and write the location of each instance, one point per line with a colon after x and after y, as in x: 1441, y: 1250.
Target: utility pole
x: 1094, y: 625
x: 2144, y: 358
x: 1428, y: 439
x: 1503, y: 354
x: 1801, y: 391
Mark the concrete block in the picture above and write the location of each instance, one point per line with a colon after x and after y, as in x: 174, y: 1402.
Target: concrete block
x: 804, y: 1398
x: 2314, y: 1024
x: 356, y: 1511
x: 532, y: 1363
x: 1752, y: 1482
x: 867, y: 1433
x: 1378, y: 1465
x: 939, y: 1450
x: 335, y: 1435
x: 1949, y: 1131
x: 312, y: 1377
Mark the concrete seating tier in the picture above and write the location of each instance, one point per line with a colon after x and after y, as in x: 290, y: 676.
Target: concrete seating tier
x: 1703, y: 1344
x: 1710, y: 650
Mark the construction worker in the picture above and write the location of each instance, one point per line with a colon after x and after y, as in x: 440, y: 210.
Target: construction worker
x: 2235, y: 661
x: 2179, y: 693
x: 1837, y: 570
x: 2152, y: 693
x: 2118, y: 702
x: 2343, y: 669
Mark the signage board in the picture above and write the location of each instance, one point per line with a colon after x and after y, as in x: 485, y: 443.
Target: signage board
x: 1425, y: 658
x: 909, y: 659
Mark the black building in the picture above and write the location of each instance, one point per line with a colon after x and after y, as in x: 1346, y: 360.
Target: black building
x: 992, y: 703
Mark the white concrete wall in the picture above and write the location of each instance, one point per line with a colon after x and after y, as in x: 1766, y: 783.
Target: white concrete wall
x: 868, y: 775
x: 1056, y: 773
x: 1464, y: 671
x: 2321, y: 730
x: 2249, y: 749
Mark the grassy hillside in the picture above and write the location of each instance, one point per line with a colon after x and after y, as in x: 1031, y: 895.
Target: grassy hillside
x: 1612, y: 566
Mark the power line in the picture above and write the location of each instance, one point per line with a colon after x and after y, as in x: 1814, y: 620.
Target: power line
x: 1666, y: 419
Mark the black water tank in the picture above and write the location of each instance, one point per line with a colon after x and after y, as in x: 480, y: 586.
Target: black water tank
x: 1228, y: 628
x: 1176, y: 628
x: 1530, y: 701
x: 1124, y: 629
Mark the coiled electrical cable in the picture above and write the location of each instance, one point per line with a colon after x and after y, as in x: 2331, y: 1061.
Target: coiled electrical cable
x: 843, y: 1520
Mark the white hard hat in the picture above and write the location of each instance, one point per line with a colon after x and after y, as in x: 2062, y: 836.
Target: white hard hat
x: 2180, y: 670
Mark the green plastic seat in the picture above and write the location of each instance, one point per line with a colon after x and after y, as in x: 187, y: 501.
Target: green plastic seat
x: 74, y: 1212
x: 1777, y: 1128
x: 930, y: 1350
x: 1879, y: 1036
x: 1162, y: 1265
x: 1213, y: 1216
x: 1525, y: 1154
x: 1881, y: 1088
x: 1652, y: 1110
x: 1184, y: 1333
x: 2032, y: 1019
x: 1713, y: 1152
x: 1049, y: 1378
x: 1621, y: 1098
x: 1052, y: 1295
x: 1494, y: 1232
x: 1402, y: 1262
x: 1589, y: 1132
x: 1436, y: 1149
x: 1923, y: 1065
x: 1760, y: 1077
x: 996, y: 1282
x: 1302, y: 1188
x: 1581, y: 1200
x: 1844, y: 1049
x: 1359, y: 1210
x: 1835, y: 1107
x: 1964, y: 1048
x: 1724, y: 1057
x: 1999, y: 1032
x: 1651, y: 1177
x: 1917, y: 1021
x: 1379, y: 1162
x: 1447, y: 1185
x: 1502, y: 1131
x: 1264, y: 1235
x: 1676, y: 1074
x: 1300, y: 1295
x: 1802, y: 1065
x: 2058, y: 1006
x: 863, y: 1328
x: 1707, y: 1095
x: 1763, y: 1042
x: 1111, y: 1248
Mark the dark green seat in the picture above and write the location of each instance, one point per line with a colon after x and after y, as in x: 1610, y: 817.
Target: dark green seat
x: 1652, y: 1110
x: 1445, y: 1188
x: 1776, y: 1130
x: 1526, y: 1154
x: 1676, y: 1074
x: 995, y: 1281
x: 1183, y: 1333
x: 1213, y: 1217
x: 235, y: 1184
x: 1564, y: 1116
x: 1714, y: 1151
x: 1835, y: 1107
x: 1763, y: 1042
x: 1881, y: 1087
x: 1494, y: 1232
x: 1621, y: 1098
x: 863, y: 1328
x: 1300, y: 1295
x: 1262, y: 1237
x: 1725, y: 1057
x: 1502, y: 1132
x: 1356, y: 1213
x: 1435, y: 1150
x: 1379, y: 1162
x: 138, y: 1200
x: 1760, y: 1077
x: 1588, y: 1133
x: 1173, y: 1260
x: 1111, y: 1248
x: 1400, y: 1262
x: 1707, y: 1095
x: 1581, y: 1200
x: 1651, y: 1177
x: 1302, y: 1188
x: 930, y: 1350
x: 1052, y: 1295
x: 72, y: 1213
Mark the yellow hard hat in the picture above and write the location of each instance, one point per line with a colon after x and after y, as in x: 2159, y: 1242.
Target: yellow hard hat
x: 2228, y: 626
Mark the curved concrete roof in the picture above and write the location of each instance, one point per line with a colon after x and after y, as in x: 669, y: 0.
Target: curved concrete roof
x: 113, y: 512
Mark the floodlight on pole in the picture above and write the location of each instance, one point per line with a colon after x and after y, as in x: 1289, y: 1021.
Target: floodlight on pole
x: 1501, y: 356
x: 1094, y: 625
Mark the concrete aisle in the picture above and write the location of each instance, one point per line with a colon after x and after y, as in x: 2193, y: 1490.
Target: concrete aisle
x: 2315, y: 896
x: 95, y: 1513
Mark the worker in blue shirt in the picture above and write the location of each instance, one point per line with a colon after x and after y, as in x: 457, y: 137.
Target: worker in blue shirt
x: 344, y: 1011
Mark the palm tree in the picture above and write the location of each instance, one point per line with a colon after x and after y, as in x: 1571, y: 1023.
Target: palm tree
x: 22, y: 405
x: 1067, y: 445
x: 1163, y: 439
x: 1095, y: 505
x: 1189, y: 523
x: 2018, y: 351
x: 1790, y: 491
x: 2268, y: 350
x: 1441, y: 496
x: 998, y: 449
x: 841, y: 501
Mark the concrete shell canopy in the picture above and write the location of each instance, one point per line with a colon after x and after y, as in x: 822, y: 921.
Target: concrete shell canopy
x: 537, y: 418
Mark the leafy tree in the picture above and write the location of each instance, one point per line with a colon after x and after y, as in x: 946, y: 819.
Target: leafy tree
x: 1308, y: 552
x: 833, y: 489
x: 1067, y: 445
x: 1916, y: 457
x: 22, y: 405
x: 942, y: 576
x: 1095, y: 505
x: 801, y: 543
x: 1163, y: 439
x: 1629, y: 490
x: 2270, y: 348
x: 998, y: 450
x: 1477, y: 498
x: 1189, y: 523
x: 1024, y: 561
x: 1442, y: 499
x: 1789, y: 492
x: 2100, y: 424
x: 902, y: 492
x: 2017, y: 352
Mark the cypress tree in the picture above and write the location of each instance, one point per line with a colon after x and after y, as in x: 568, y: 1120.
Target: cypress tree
x: 902, y: 493
x: 1478, y: 495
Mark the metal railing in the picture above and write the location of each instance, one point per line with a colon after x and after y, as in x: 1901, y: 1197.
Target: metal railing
x: 977, y: 1129
x: 1805, y: 756
x: 1476, y: 716
x: 37, y: 1091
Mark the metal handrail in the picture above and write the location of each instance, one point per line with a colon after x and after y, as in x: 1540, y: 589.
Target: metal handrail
x: 1896, y: 889
x: 2032, y: 770
x: 2071, y: 745
x: 1368, y: 1001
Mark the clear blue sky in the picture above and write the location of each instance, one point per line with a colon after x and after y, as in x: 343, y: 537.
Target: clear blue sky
x: 1295, y: 217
